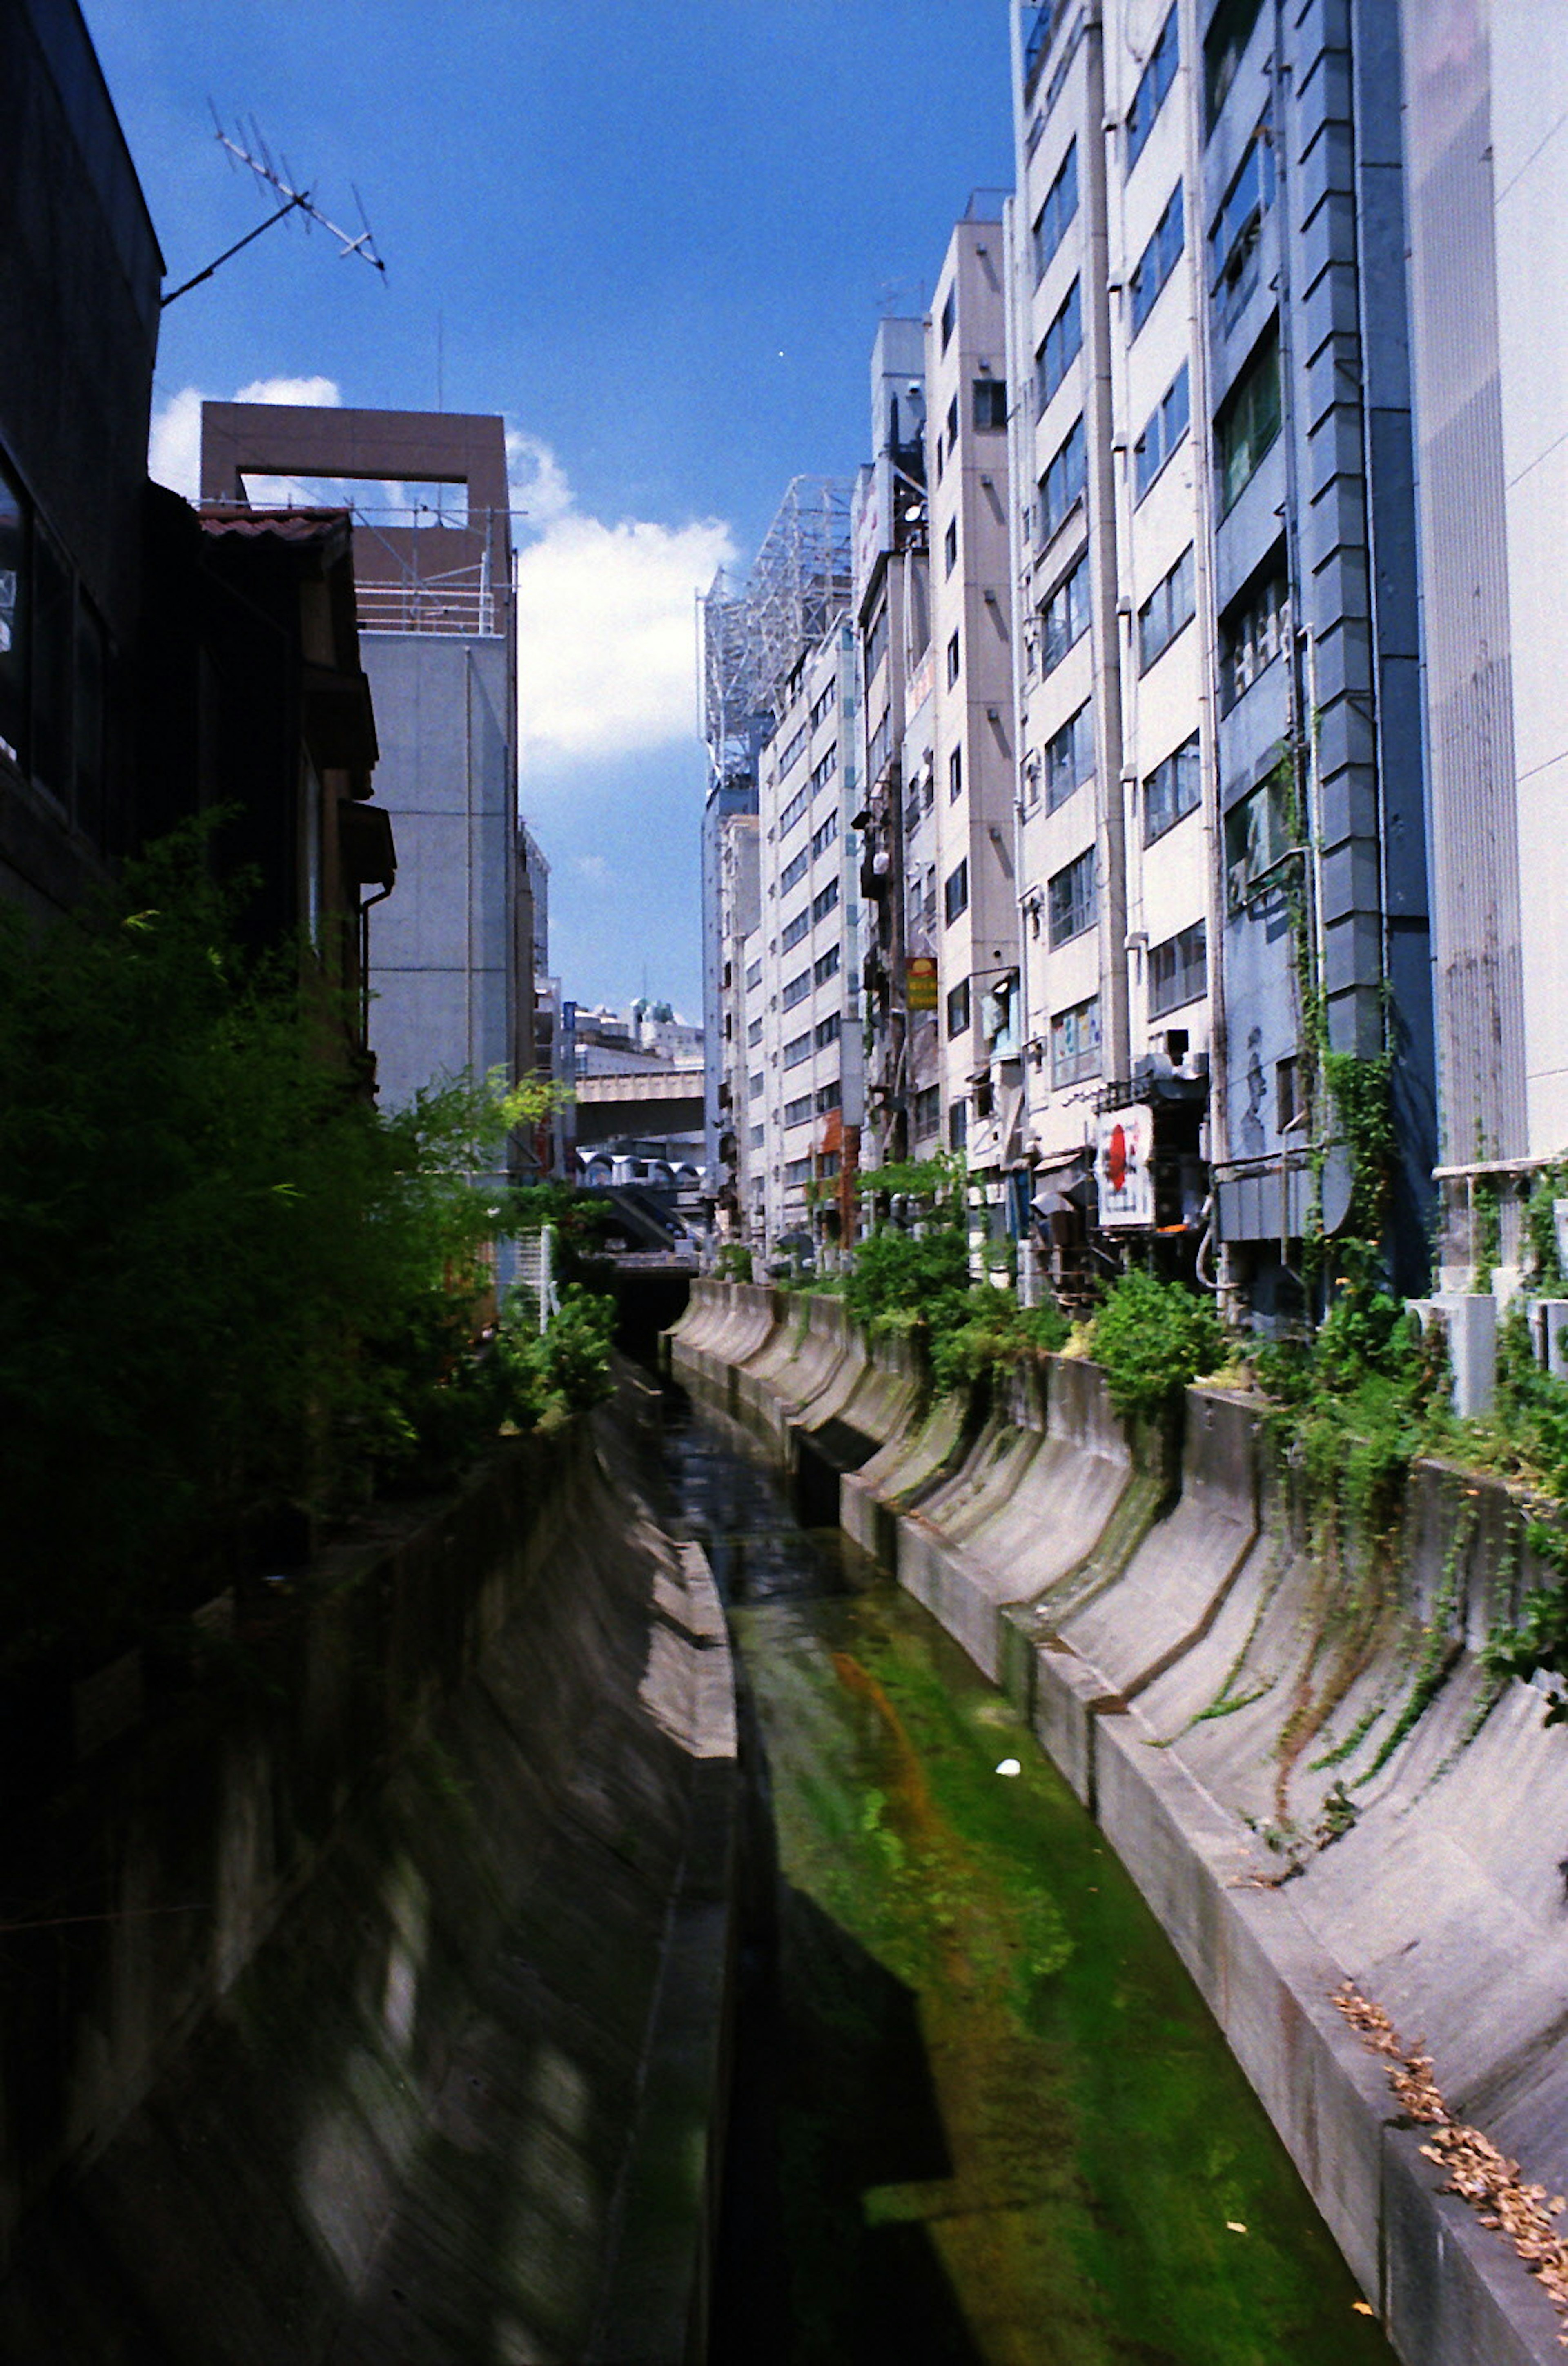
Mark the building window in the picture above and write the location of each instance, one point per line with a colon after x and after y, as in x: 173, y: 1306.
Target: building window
x: 1154, y: 86
x: 754, y: 1033
x: 928, y: 1112
x: 1075, y: 1044
x: 1069, y: 757
x: 1156, y: 262
x: 826, y: 831
x: 823, y: 706
x: 797, y: 1049
x: 754, y: 1086
x: 1166, y: 426
x: 1065, y: 617
x: 955, y: 776
x: 1237, y: 232
x: 795, y: 808
x: 1225, y: 46
x: 827, y: 1096
x: 797, y: 990
x: 791, y: 935
x: 1063, y: 343
x: 796, y: 1170
x: 793, y: 870
x: 824, y: 900
x: 953, y: 661
x: 799, y: 1113
x: 757, y: 1137
x: 953, y: 426
x: 955, y: 894
x: 1289, y: 1101
x: 958, y: 1008
x: 825, y: 967
x: 991, y: 396
x: 1062, y: 486
x: 1258, y: 838
x: 958, y: 1125
x: 1254, y: 631
x: 1168, y: 609
x: 1060, y: 205
x: 1178, y: 971
x: 1171, y: 790
x: 875, y: 643
x: 826, y: 1031
x: 949, y: 314
x: 824, y: 769
x: 1070, y: 898
x: 1248, y: 421
x: 950, y: 547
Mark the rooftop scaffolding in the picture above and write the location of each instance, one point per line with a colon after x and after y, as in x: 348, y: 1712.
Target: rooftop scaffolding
x: 754, y: 630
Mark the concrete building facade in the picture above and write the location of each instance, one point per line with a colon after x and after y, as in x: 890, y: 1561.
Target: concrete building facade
x: 1218, y: 644
x: 972, y: 898
x: 436, y: 632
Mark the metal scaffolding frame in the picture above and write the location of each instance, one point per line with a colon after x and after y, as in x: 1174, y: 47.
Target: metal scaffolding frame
x: 754, y: 628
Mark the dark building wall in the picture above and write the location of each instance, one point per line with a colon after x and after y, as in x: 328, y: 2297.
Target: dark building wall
x: 79, y: 278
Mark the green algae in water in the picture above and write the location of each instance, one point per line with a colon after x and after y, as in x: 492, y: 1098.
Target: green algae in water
x: 1010, y: 2130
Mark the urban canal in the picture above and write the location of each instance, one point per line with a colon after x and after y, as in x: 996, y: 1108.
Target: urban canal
x: 981, y: 2112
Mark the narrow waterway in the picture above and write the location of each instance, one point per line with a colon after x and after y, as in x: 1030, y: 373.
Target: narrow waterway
x: 981, y: 2112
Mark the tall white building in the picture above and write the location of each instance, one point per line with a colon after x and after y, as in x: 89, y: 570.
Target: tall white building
x: 972, y: 898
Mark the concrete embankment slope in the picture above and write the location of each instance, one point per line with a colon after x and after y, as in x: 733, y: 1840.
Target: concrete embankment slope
x: 1304, y: 1766
x: 373, y: 2003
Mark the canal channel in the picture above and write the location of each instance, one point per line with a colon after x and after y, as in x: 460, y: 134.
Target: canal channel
x: 981, y: 2112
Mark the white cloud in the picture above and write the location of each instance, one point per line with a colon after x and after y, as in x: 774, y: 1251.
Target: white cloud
x: 607, y: 633
x: 173, y: 448
x: 592, y: 867
x: 536, y: 480
x: 310, y: 393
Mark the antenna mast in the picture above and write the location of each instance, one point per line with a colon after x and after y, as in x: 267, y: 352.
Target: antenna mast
x: 251, y: 150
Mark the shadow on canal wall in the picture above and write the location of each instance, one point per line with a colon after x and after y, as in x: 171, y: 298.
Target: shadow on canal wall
x: 1310, y: 1777
x: 370, y: 2001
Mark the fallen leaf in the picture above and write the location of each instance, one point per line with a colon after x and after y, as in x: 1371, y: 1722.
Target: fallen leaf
x: 1363, y: 2308
x: 1236, y: 2226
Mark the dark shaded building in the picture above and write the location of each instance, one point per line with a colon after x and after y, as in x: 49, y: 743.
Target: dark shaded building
x: 79, y: 278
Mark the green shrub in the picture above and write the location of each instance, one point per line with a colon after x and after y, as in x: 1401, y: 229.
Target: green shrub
x: 990, y: 1332
x: 1151, y: 1338
x: 896, y: 1272
x: 734, y: 1261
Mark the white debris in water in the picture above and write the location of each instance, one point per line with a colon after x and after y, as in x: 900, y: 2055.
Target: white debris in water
x: 1010, y: 1766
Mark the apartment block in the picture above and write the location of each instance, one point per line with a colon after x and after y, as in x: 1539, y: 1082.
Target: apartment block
x: 1221, y: 838
x: 897, y: 817
x: 1486, y: 207
x: 781, y: 717
x: 975, y: 922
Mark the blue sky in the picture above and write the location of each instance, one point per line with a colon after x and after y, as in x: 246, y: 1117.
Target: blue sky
x: 655, y: 238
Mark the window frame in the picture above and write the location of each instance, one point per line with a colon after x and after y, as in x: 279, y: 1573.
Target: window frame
x: 1072, y: 900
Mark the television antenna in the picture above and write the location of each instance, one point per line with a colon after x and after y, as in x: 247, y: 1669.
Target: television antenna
x: 252, y: 151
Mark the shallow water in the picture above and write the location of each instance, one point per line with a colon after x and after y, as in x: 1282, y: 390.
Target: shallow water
x: 982, y: 2113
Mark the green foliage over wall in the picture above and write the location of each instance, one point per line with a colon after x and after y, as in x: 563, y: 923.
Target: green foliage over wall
x: 235, y: 1297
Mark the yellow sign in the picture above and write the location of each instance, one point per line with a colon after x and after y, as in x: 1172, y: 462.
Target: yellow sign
x: 920, y: 976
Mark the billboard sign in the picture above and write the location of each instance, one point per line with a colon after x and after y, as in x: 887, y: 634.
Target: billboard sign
x: 920, y: 978
x: 1123, y: 1168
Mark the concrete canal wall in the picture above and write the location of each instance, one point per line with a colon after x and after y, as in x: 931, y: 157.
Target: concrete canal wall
x: 369, y: 2000
x: 1309, y: 1774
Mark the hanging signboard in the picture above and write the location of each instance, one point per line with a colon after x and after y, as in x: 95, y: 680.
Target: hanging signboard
x: 1123, y: 1168
x: 920, y: 976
